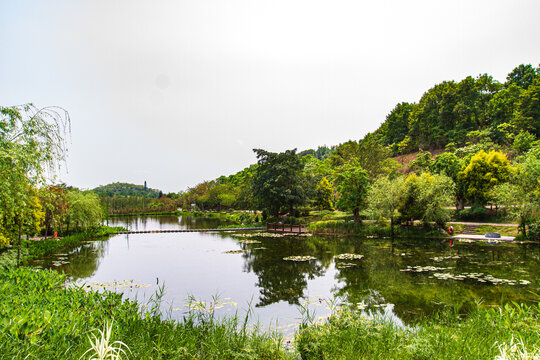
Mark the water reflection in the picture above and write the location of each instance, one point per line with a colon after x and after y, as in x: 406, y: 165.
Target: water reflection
x: 409, y: 277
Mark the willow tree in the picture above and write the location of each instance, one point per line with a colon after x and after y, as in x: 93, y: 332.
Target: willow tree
x: 32, y: 146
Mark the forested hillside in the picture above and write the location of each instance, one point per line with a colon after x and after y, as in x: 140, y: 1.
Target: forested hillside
x: 475, y: 142
x: 125, y: 189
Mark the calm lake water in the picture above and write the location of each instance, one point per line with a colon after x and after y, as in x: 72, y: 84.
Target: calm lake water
x: 404, y: 278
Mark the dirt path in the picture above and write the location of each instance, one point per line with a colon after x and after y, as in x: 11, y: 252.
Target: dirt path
x: 478, y: 223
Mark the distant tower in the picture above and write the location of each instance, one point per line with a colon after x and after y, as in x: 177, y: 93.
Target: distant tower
x: 144, y: 185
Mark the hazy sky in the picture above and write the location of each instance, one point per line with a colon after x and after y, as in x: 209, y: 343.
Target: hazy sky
x: 177, y: 92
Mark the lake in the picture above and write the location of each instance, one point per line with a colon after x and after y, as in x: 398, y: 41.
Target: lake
x: 231, y: 272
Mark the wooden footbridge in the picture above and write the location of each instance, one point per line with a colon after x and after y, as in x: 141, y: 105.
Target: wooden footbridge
x: 286, y: 228
x: 188, y: 230
x: 270, y: 227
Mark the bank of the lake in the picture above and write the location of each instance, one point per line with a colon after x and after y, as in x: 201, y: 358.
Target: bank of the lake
x: 46, y: 320
x: 43, y: 319
x: 32, y: 249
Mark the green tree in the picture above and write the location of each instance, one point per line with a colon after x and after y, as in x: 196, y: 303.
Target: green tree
x: 31, y: 146
x: 523, y: 142
x: 84, y: 210
x: 483, y: 172
x: 522, y: 76
x: 54, y: 202
x: 325, y: 195
x: 278, y: 181
x: 384, y: 198
x: 425, y: 197
x: 527, y: 113
x: 396, y: 126
x: 352, y: 185
x: 450, y: 164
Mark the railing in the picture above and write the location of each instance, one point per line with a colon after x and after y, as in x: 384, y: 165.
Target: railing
x: 286, y: 228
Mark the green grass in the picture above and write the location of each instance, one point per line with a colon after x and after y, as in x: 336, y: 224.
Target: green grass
x: 350, y: 335
x: 503, y: 230
x: 41, y: 319
x: 349, y: 227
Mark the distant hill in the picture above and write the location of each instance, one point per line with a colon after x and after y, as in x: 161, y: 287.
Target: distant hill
x: 125, y: 189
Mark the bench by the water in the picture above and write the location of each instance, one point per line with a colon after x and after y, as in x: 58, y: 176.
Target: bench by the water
x: 187, y: 230
x: 286, y: 228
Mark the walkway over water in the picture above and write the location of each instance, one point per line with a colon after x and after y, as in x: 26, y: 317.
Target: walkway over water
x: 188, y: 230
x: 286, y: 228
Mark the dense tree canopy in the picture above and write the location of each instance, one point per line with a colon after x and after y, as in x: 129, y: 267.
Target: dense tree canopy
x: 278, y: 181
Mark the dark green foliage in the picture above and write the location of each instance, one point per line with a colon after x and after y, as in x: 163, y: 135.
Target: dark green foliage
x: 396, y: 126
x: 278, y: 182
x: 522, y: 76
x: 125, y: 189
x: 473, y: 213
x: 322, y: 152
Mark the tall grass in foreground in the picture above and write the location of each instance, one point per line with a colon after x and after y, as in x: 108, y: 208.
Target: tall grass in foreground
x: 484, y: 334
x: 41, y: 319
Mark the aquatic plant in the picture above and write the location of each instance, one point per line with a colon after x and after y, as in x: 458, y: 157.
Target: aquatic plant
x: 101, y: 347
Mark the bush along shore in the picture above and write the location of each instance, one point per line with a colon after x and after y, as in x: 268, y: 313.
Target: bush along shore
x: 39, y: 248
x: 44, y: 319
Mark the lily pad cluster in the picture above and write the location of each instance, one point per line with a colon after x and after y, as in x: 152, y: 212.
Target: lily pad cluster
x: 299, y: 258
x: 62, y: 259
x: 480, y: 277
x: 344, y: 265
x: 249, y: 241
x: 235, y: 251
x: 208, y: 306
x: 348, y: 257
x: 424, y: 268
x: 125, y: 284
x: 443, y: 258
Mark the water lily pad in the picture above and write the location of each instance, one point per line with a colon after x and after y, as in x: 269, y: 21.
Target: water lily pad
x: 235, y: 251
x: 348, y: 256
x: 299, y: 258
x: 249, y: 241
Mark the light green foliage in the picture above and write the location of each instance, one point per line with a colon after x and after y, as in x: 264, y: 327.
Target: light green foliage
x: 31, y: 143
x: 522, y: 196
x: 483, y: 334
x: 482, y: 173
x: 84, y: 209
x: 325, y: 195
x: 423, y: 162
x: 425, y: 198
x: 54, y: 202
x: 42, y: 319
x: 523, y: 142
x: 367, y: 153
x: 384, y: 197
x: 278, y: 182
x: 352, y: 184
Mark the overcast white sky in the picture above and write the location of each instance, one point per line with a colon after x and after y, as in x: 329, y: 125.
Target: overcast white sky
x: 177, y: 92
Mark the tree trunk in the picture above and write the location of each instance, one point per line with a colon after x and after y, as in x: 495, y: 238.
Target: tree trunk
x: 392, y: 226
x: 19, y: 247
x: 356, y: 213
